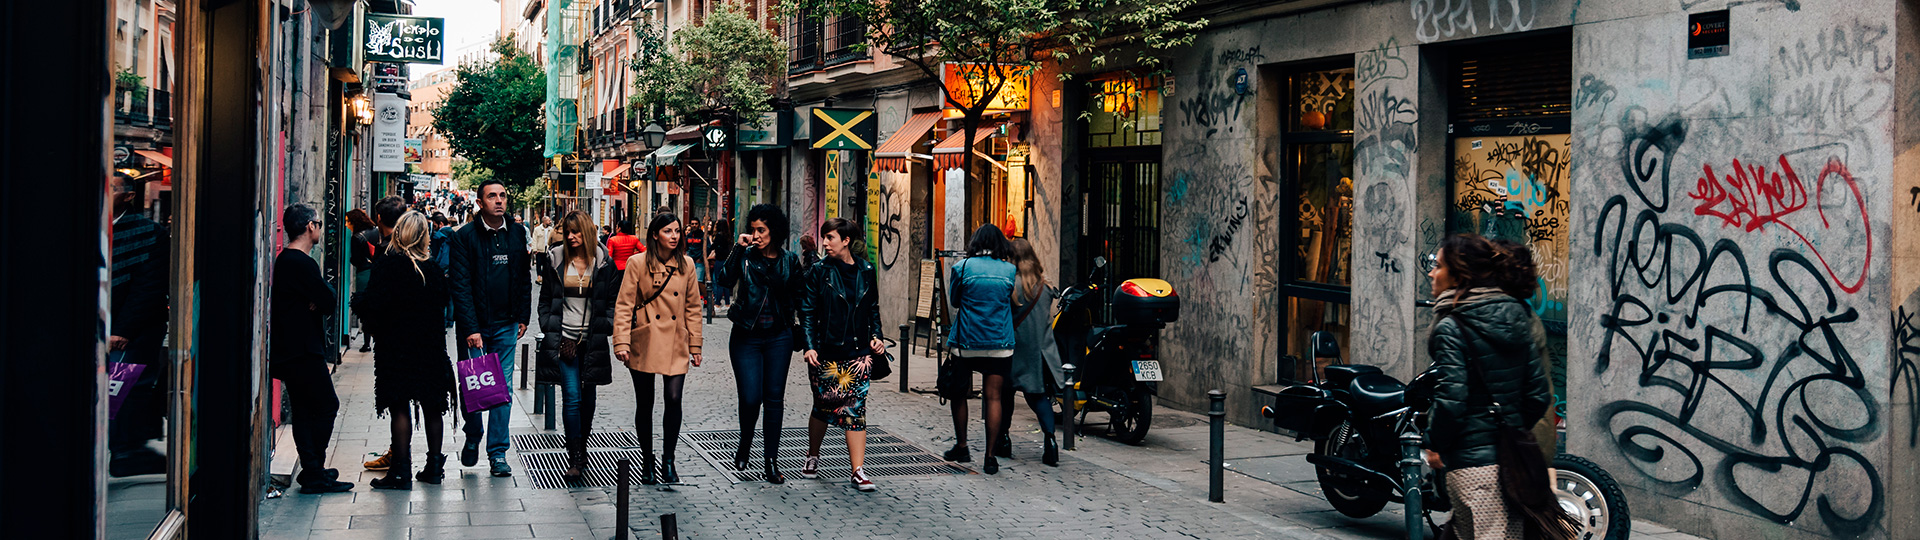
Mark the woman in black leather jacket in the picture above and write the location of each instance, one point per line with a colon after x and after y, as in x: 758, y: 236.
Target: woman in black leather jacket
x: 1492, y: 383
x: 769, y: 278
x: 840, y: 327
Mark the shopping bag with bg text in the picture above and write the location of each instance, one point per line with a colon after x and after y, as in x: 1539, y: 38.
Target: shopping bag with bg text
x: 482, y: 385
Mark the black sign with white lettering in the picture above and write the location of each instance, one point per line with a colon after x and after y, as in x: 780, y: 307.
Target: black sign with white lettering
x: 1707, y: 34
x: 401, y: 39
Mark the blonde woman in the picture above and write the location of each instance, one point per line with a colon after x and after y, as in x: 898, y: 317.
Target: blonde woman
x: 405, y: 306
x: 1035, y: 369
x: 656, y: 331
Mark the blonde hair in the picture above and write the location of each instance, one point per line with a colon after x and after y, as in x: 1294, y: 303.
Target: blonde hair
x: 578, y: 222
x: 412, y: 238
x: 1033, y: 275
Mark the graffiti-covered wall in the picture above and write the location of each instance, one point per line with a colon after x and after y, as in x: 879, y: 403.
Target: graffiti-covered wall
x: 1730, y: 266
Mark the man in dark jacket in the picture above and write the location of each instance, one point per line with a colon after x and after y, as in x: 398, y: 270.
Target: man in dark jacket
x: 139, y: 329
x: 492, y: 302
x: 300, y: 302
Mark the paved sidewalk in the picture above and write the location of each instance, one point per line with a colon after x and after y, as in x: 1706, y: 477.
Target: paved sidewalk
x: 1101, y: 490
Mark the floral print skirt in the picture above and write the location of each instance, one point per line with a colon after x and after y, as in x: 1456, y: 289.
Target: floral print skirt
x: 840, y: 393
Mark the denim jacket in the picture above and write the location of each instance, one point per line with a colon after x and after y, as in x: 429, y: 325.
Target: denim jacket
x: 982, y: 292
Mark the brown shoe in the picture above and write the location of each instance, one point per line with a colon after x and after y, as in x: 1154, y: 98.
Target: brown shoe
x: 384, y: 462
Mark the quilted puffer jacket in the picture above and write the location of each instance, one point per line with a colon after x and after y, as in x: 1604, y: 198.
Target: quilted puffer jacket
x: 1487, y: 336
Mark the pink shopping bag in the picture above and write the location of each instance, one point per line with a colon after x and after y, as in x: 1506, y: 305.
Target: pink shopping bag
x: 482, y: 385
x: 120, y: 380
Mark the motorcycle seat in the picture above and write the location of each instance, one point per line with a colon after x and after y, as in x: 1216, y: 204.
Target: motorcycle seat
x: 1340, y: 375
x: 1376, y: 393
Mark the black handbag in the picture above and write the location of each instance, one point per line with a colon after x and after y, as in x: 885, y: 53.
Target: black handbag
x: 882, y: 362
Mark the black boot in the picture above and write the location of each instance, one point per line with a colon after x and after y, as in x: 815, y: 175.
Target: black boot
x: 773, y: 472
x: 435, y: 471
x: 959, y: 453
x: 1051, y: 456
x: 667, y: 474
x: 576, y: 460
x: 992, y: 466
x: 647, y: 467
x: 1005, y: 447
x: 397, y: 476
x: 742, y: 456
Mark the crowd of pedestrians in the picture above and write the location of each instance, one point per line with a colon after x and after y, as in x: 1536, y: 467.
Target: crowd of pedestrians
x: 614, y: 295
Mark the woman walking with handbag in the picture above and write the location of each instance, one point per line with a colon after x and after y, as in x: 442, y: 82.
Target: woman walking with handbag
x: 656, y: 331
x: 1035, y: 368
x: 982, y: 289
x: 840, y: 330
x: 405, y: 305
x: 1492, y: 388
x: 578, y: 285
x: 769, y: 277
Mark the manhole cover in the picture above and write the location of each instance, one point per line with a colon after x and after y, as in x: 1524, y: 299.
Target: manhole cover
x: 887, y: 455
x: 603, y: 466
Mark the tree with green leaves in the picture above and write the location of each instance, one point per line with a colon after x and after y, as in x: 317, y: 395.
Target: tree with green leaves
x: 992, y: 42
x: 728, y: 63
x: 467, y: 175
x: 492, y: 116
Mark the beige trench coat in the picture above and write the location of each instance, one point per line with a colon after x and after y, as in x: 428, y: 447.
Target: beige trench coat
x: 668, y: 328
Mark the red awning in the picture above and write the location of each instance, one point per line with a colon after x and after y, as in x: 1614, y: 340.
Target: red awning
x: 949, y: 153
x: 894, y: 154
x: 617, y: 172
x: 683, y: 133
x: 156, y: 157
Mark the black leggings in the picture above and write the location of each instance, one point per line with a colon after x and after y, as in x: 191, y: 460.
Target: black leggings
x: 676, y: 386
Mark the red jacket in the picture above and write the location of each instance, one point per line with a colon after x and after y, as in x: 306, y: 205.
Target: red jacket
x: 621, y: 246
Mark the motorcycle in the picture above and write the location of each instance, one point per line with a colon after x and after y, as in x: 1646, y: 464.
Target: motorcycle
x: 1368, y: 430
x: 1117, y: 367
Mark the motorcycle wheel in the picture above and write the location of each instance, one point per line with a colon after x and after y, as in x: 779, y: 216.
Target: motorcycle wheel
x: 1130, y: 423
x: 1347, y: 495
x: 1589, y: 494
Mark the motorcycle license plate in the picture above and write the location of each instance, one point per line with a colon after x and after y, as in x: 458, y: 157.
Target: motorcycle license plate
x: 1146, y: 370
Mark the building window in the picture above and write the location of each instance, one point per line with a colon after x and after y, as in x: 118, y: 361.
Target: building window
x: 803, y: 41
x: 1123, y: 111
x: 1317, y: 214
x: 848, y: 34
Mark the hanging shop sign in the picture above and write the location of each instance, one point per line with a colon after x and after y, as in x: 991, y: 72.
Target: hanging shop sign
x: 1707, y: 34
x: 844, y: 129
x: 966, y: 83
x: 715, y: 138
x: 389, y: 133
x: 415, y: 147
x: 774, y: 130
x: 403, y: 39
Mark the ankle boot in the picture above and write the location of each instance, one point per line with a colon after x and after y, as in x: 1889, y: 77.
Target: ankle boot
x: 773, y: 472
x: 397, y: 477
x: 1004, y: 448
x: 667, y: 473
x: 742, y: 456
x: 436, y: 469
x: 576, y: 460
x: 1051, y: 456
x: 646, y: 468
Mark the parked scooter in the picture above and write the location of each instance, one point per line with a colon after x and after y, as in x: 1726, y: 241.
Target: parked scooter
x: 1369, y: 429
x: 1117, y: 368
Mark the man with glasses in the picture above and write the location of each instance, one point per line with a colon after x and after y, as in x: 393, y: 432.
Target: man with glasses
x: 301, y: 300
x: 492, y: 301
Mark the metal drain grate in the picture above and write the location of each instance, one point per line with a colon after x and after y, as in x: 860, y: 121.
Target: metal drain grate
x: 602, y: 466
x: 887, y: 455
x: 529, y: 442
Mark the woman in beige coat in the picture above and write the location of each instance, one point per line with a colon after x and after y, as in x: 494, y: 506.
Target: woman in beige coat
x: 660, y: 289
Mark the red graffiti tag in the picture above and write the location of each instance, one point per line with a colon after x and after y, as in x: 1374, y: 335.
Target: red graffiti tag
x: 1751, y: 198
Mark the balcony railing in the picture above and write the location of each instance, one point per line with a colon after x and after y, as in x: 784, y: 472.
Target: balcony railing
x: 144, y: 107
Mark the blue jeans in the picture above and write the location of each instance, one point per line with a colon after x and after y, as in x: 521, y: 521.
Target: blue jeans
x: 499, y: 341
x: 760, y: 361
x: 576, y: 398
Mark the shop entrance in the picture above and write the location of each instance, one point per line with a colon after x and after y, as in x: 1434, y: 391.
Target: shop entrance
x: 1120, y: 190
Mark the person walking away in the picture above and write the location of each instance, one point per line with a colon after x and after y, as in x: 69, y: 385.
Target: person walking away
x: 623, y: 244
x: 768, y: 278
x: 1035, y: 368
x: 809, y: 251
x: 1491, y: 389
x: 840, y: 330
x: 656, y: 331
x: 982, y: 287
x: 576, y: 314
x: 718, y: 257
x: 386, y: 213
x: 697, y: 248
x: 298, y: 356
x: 492, y: 301
x: 361, y: 249
x: 139, y: 331
x: 405, y: 306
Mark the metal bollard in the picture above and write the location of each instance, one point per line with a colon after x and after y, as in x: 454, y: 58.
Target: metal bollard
x: 551, y: 414
x: 1070, y: 426
x: 1411, y: 461
x: 620, y: 513
x: 524, y: 361
x: 669, y: 527
x: 1217, y: 454
x: 906, y: 356
x: 706, y: 297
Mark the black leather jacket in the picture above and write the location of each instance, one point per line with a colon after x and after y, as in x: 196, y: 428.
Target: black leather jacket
x: 1488, y: 338
x: 766, y: 286
x: 839, y: 308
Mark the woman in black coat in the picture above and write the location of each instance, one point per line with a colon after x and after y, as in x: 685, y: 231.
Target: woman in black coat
x: 578, y: 285
x: 405, y: 306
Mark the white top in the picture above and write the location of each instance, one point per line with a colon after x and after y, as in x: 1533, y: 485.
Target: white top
x: 573, y: 323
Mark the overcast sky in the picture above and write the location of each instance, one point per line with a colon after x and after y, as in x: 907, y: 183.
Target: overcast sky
x: 467, y: 22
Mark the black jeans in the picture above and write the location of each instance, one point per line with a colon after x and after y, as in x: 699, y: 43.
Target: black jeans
x: 760, y: 362
x: 310, y: 391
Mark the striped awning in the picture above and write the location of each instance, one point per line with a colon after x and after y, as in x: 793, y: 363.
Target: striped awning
x: 949, y: 154
x: 894, y: 154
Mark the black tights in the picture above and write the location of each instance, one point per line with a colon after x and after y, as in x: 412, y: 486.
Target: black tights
x: 994, y: 410
x: 401, y: 429
x: 676, y: 386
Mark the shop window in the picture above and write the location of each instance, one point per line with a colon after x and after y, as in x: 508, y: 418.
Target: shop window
x: 1317, y: 269
x: 1123, y: 111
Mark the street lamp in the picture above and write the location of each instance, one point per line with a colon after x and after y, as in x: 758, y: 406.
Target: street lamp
x: 654, y: 134
x: 363, y: 109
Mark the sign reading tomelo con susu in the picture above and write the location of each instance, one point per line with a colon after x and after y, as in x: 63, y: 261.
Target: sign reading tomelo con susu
x: 398, y: 38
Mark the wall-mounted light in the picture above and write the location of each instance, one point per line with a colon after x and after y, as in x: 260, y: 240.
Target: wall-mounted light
x: 363, y: 109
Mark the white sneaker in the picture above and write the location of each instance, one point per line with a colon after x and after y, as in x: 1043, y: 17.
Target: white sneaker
x: 860, y: 481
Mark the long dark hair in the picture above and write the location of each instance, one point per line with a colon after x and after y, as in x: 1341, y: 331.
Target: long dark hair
x: 988, y: 241
x: 661, y: 221
x: 1474, y: 261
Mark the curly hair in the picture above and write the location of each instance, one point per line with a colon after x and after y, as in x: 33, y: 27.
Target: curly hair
x: 776, y: 221
x: 1475, y: 261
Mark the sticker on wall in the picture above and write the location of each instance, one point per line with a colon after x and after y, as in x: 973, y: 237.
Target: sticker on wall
x: 1476, y: 145
x: 1707, y: 34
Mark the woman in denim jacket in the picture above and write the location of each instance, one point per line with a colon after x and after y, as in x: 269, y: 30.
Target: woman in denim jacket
x: 982, y: 337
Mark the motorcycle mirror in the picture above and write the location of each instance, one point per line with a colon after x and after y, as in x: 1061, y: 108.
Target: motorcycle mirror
x: 1100, y: 261
x: 1325, y: 345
